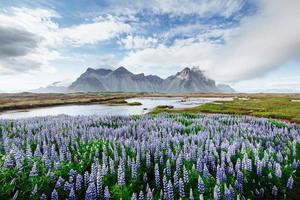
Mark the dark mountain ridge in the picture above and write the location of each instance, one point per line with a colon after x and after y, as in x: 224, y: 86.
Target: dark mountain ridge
x: 188, y: 80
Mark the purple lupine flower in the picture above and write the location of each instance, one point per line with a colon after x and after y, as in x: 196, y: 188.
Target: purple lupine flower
x: 60, y: 181
x: 72, y: 194
x: 278, y: 172
x: 228, y: 193
x: 78, y: 183
x: 33, y: 171
x: 217, y: 193
x: 67, y: 186
x: 54, y: 195
x: 205, y: 171
x: 148, y: 160
x: 106, y: 194
x: 199, y: 165
x: 121, y: 174
x: 279, y: 157
x: 178, y: 163
x: 201, y: 187
x: 134, y: 196
x: 133, y: 170
x: 141, y: 195
x: 290, y: 183
x: 149, y: 194
x: 168, y: 168
x: 165, y: 187
x: 274, y: 190
x: 8, y: 162
x: 157, y: 177
x: 181, y: 188
x: 175, y: 179
x: 43, y: 197
x: 295, y: 164
x: 185, y: 175
x: 86, y: 177
x: 259, y: 168
x: 112, y: 166
x: 240, y: 176
x: 99, y: 183
x: 91, y: 193
x: 170, y: 191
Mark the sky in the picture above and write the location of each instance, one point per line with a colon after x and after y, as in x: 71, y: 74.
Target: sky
x: 253, y: 45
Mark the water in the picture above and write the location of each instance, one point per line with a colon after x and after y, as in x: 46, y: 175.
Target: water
x: 148, y: 103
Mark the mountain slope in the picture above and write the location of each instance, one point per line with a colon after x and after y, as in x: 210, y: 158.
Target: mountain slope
x: 188, y: 80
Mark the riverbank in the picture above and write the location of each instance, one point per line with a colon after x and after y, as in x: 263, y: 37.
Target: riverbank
x: 282, y: 107
x: 17, y: 101
x: 276, y: 106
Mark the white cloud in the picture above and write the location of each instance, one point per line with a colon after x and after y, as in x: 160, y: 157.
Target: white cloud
x: 263, y: 43
x: 205, y: 8
x: 164, y: 60
x: 91, y: 33
x: 138, y: 42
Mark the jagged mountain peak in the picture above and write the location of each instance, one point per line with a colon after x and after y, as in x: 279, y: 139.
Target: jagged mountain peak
x: 122, y: 70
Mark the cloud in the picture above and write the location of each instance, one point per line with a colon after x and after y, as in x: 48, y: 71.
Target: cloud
x: 164, y: 60
x: 262, y: 43
x: 91, y: 33
x: 138, y: 42
x: 15, y: 42
x: 205, y: 8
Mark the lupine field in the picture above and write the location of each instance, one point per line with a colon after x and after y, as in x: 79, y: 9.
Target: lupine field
x: 148, y: 157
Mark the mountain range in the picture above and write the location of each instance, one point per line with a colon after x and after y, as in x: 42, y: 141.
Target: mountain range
x: 189, y: 80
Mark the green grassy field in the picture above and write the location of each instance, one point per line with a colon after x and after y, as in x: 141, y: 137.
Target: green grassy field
x: 279, y: 107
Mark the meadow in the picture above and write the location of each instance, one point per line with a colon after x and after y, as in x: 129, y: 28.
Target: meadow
x: 164, y: 156
x: 282, y: 107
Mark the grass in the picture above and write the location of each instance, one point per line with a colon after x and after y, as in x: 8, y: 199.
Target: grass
x: 265, y: 106
x: 134, y: 104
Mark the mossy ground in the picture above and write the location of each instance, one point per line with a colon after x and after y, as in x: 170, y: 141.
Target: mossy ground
x: 283, y: 108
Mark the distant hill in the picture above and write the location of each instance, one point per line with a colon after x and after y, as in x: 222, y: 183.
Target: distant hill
x: 56, y: 87
x: 188, y: 80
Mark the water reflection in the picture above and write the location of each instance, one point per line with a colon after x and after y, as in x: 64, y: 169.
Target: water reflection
x: 148, y: 103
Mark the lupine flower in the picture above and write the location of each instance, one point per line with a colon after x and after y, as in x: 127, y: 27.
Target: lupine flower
x: 149, y: 194
x: 185, y: 175
x: 54, y: 195
x: 290, y: 183
x: 175, y: 178
x: 133, y: 170
x: 91, y: 193
x: 170, y: 191
x: 217, y: 193
x: 181, y: 188
x: 141, y: 195
x: 33, y: 171
x: 274, y: 191
x: 43, y: 197
x: 201, y: 187
x: 157, y: 177
x: 168, y: 168
x: 134, y: 197
x: 78, y: 182
x: 278, y: 172
x: 72, y: 194
x: 106, y: 194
